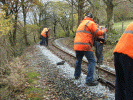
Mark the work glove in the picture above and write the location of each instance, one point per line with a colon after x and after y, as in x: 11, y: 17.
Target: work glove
x: 104, y: 29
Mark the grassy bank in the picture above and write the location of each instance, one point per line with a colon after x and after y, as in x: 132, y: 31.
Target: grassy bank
x: 118, y: 25
x: 18, y: 82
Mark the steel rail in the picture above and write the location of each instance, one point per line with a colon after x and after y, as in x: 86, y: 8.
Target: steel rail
x: 100, y: 79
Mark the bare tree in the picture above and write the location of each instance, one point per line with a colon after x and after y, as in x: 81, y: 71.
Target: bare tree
x: 40, y: 16
x: 15, y: 11
x: 25, y: 8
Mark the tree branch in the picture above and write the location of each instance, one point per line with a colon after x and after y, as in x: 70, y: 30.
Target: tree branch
x: 131, y: 1
x: 105, y: 2
x: 120, y: 2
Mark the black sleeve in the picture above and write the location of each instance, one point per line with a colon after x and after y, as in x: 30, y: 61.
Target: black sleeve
x: 46, y: 34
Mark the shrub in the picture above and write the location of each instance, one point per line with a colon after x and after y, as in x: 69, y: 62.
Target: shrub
x: 13, y: 81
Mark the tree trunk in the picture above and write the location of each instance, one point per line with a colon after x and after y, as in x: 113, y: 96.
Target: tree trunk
x: 24, y: 28
x: 110, y: 15
x: 15, y: 23
x: 109, y: 18
x: 40, y: 14
x: 55, y: 21
x: 10, y: 38
x: 80, y: 10
x: 72, y: 17
x: 54, y: 31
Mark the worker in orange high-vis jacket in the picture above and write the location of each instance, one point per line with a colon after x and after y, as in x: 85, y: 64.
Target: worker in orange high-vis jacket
x: 83, y: 43
x: 123, y: 61
x: 45, y: 35
x: 99, y: 41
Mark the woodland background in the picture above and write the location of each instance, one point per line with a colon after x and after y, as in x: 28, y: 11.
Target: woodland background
x: 21, y: 22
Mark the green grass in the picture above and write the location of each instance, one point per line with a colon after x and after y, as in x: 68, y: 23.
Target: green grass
x: 33, y: 93
x: 30, y: 80
x: 32, y: 75
x: 108, y: 51
x: 32, y: 89
x: 118, y: 25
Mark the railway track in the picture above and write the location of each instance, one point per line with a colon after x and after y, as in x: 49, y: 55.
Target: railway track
x: 105, y: 77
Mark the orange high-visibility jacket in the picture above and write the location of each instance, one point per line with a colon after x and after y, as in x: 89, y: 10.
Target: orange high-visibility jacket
x: 43, y: 33
x: 125, y: 43
x: 85, y: 33
x: 100, y: 36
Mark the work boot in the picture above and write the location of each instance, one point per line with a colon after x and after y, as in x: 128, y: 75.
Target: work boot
x: 93, y: 83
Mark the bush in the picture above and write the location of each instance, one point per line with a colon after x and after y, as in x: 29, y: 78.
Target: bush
x: 113, y: 37
x: 13, y: 81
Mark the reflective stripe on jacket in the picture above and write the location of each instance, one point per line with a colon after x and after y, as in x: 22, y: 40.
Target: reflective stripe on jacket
x: 43, y: 33
x: 85, y: 33
x: 99, y: 37
x: 125, y: 43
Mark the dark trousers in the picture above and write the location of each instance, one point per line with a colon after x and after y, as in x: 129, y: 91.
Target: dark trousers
x: 98, y: 51
x: 91, y: 64
x: 42, y: 42
x: 124, y: 77
x: 46, y: 41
